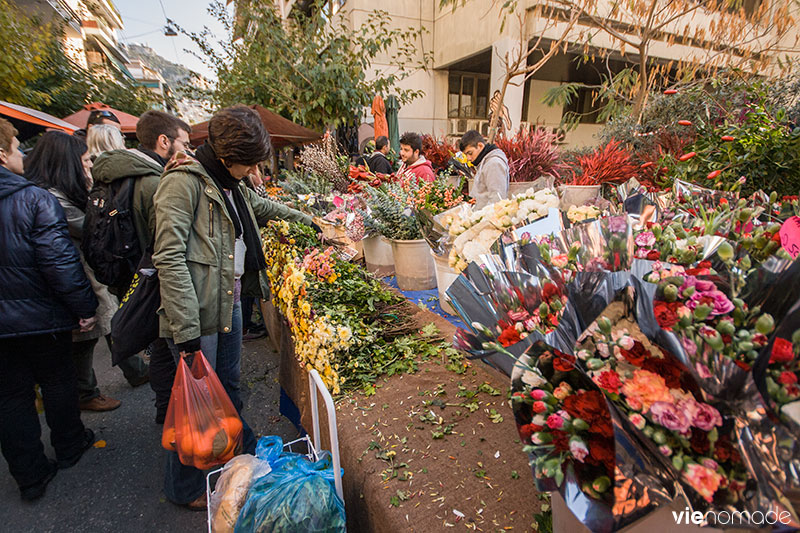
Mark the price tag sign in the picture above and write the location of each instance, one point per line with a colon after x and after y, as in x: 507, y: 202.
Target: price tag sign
x: 790, y: 236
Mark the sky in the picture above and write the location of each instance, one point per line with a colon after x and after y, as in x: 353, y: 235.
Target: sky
x: 144, y: 22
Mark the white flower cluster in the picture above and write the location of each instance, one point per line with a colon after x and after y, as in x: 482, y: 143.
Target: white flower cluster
x: 475, y: 232
x: 577, y: 214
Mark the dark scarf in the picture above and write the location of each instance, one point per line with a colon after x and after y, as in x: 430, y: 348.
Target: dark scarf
x: 486, y: 149
x: 152, y: 155
x: 254, y: 258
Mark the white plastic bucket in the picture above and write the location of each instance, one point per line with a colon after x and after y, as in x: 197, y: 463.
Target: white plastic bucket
x: 413, y: 265
x: 445, y: 276
x: 378, y: 256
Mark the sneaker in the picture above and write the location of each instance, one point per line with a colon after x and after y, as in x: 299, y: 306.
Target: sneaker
x: 100, y: 403
x: 36, y: 491
x: 63, y: 464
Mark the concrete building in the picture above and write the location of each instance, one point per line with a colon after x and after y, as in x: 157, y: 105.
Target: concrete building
x: 90, y: 30
x: 469, y: 42
x: 150, y: 78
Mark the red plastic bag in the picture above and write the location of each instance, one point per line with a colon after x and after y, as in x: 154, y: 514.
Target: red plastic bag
x: 201, y: 425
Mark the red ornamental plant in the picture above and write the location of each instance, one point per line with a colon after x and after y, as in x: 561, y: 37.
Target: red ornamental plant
x: 532, y: 154
x: 611, y: 163
x: 438, y: 151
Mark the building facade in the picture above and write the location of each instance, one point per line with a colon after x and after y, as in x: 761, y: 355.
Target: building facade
x: 468, y: 45
x: 90, y: 30
x: 470, y: 42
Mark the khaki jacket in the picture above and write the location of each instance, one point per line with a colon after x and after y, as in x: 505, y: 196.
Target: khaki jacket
x: 194, y: 251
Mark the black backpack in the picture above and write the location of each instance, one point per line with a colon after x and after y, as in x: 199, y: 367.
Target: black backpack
x: 110, y: 244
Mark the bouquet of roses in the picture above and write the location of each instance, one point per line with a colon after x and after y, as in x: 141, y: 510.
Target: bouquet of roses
x: 782, y: 375
x: 661, y: 401
x: 527, y: 308
x: 524, y: 309
x: 777, y: 370
x: 577, y: 445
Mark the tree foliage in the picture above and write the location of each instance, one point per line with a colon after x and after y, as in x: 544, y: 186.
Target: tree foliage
x: 311, y: 68
x: 36, y: 71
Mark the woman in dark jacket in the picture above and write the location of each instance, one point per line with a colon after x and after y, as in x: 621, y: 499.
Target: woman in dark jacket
x: 44, y: 295
x: 61, y: 164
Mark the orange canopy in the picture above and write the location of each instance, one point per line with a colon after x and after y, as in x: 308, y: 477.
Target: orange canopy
x: 379, y: 113
x: 79, y: 118
x: 29, y: 121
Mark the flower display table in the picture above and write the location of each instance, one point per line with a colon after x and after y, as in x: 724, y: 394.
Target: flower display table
x: 427, y: 450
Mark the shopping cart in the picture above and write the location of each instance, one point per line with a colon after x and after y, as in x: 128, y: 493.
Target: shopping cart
x: 309, y: 448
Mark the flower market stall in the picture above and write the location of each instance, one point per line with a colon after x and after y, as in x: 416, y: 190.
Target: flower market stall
x: 641, y: 330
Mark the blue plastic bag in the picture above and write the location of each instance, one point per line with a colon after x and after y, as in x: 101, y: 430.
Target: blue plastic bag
x: 296, y: 496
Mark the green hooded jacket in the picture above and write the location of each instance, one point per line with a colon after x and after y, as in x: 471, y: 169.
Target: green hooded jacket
x: 194, y: 251
x: 118, y: 164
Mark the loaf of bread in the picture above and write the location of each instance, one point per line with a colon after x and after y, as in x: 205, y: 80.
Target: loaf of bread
x: 231, y: 491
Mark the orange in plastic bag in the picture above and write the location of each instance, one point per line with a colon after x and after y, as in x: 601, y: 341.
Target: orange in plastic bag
x: 201, y: 424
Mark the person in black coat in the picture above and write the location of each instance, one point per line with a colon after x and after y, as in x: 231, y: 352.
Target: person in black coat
x: 378, y: 162
x: 44, y: 295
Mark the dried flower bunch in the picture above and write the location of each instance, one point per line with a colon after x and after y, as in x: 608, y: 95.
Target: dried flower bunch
x: 325, y: 160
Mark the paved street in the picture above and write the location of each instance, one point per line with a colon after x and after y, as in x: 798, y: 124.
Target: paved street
x: 118, y: 488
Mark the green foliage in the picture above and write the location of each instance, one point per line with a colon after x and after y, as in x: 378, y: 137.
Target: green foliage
x: 386, y: 340
x: 696, y: 102
x: 310, y: 68
x: 738, y: 130
x: 24, y: 44
x: 389, y: 217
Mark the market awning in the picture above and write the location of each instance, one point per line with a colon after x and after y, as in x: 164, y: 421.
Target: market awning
x: 283, y: 132
x: 79, y: 118
x: 30, y: 122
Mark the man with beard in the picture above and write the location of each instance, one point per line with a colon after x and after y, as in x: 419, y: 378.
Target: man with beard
x: 160, y: 136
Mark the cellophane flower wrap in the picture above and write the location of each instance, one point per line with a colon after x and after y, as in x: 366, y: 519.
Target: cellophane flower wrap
x: 578, y: 445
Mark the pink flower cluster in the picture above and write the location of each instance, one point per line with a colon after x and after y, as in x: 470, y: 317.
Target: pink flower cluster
x: 321, y: 264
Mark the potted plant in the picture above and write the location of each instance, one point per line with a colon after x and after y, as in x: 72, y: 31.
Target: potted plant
x: 534, y: 160
x: 395, y: 220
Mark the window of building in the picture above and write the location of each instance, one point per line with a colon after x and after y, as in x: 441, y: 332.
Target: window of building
x: 468, y: 95
x: 586, y: 105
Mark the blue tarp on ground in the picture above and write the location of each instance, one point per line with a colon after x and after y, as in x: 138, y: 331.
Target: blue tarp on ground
x: 429, y: 298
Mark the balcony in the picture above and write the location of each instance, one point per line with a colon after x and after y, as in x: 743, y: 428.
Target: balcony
x: 105, y: 10
x: 58, y: 11
x: 96, y: 30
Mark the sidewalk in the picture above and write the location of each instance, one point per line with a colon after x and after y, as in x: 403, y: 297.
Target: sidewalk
x: 118, y: 488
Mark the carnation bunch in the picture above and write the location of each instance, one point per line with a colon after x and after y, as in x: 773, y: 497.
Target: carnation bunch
x: 708, y: 321
x: 563, y: 421
x: 523, y: 312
